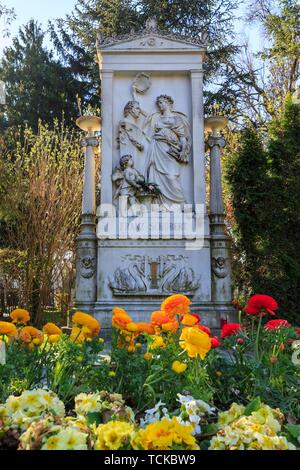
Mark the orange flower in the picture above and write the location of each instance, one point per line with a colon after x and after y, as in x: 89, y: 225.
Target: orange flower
x: 132, y: 327
x: 19, y: 315
x: 82, y: 320
x: 158, y: 318
x: 164, y: 321
x: 119, y: 311
x: 77, y: 335
x: 195, y: 342
x: 51, y: 329
x: 31, y: 336
x: 7, y: 329
x: 177, y: 304
x: 120, y: 319
x: 172, y: 327
x: 145, y: 328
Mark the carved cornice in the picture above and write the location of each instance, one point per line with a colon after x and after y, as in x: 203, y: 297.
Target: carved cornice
x: 151, y: 28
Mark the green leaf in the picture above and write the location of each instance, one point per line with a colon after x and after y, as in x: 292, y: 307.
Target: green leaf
x: 254, y: 405
x: 210, y: 429
x: 293, y: 429
x: 94, y: 418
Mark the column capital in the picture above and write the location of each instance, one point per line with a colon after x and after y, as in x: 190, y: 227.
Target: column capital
x: 213, y: 141
x: 89, y: 142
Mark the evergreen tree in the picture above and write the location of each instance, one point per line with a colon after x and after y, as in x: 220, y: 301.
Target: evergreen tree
x: 264, y: 182
x: 75, y: 35
x: 37, y: 85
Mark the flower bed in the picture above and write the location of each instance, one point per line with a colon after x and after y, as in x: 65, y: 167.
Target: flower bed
x: 167, y: 384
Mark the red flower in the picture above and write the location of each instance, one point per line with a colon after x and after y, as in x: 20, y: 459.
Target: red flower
x: 215, y: 342
x: 260, y: 304
x: 240, y: 341
x: 298, y: 331
x: 205, y: 329
x: 231, y: 329
x: 274, y: 324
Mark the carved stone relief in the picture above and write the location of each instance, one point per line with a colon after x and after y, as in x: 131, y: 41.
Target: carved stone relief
x: 220, y: 266
x: 159, y: 146
x: 87, y: 267
x: 163, y: 275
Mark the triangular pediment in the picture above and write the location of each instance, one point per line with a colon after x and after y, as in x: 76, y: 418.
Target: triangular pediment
x: 149, y: 41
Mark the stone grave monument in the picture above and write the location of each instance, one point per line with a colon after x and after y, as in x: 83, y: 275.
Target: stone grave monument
x: 155, y: 231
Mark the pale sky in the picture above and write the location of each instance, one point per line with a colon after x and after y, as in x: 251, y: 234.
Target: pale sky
x: 41, y: 10
x: 44, y: 10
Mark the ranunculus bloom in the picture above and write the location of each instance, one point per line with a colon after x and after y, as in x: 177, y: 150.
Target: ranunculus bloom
x: 7, y: 329
x: 177, y: 304
x: 195, y: 342
x: 171, y: 327
x: 189, y: 319
x: 54, y: 338
x: 231, y: 329
x: 179, y: 367
x: 81, y: 320
x: 145, y: 328
x: 274, y: 324
x: 21, y: 316
x: 260, y: 304
x: 159, y: 317
x: 205, y: 329
x: 157, y: 343
x: 51, y: 329
x: 31, y: 336
x: 215, y: 342
x: 120, y: 320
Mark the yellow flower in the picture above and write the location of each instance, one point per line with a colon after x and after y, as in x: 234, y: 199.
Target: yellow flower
x: 189, y: 320
x: 138, y: 345
x: 179, y: 367
x: 7, y: 329
x: 114, y: 435
x: 132, y: 327
x: 21, y: 316
x: 111, y: 374
x: 54, y: 338
x: 77, y: 335
x: 165, y: 435
x: 148, y: 356
x: 195, y: 342
x: 177, y: 304
x: 69, y: 438
x: 157, y: 343
x: 131, y: 348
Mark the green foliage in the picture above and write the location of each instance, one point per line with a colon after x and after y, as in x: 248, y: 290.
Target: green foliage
x: 38, y: 86
x: 263, y: 177
x: 74, y: 36
x: 260, y: 366
x: 144, y: 382
x: 66, y: 368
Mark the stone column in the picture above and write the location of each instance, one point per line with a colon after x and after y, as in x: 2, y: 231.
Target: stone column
x: 86, y: 243
x: 220, y: 251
